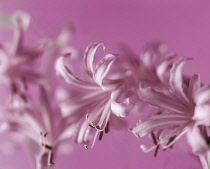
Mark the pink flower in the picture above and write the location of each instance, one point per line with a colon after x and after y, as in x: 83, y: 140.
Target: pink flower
x: 105, y: 96
x: 42, y: 125
x: 150, y: 68
x: 177, y: 109
x: 15, y: 59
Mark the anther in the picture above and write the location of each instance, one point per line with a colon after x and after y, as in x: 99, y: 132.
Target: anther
x: 48, y: 147
x: 45, y: 134
x: 107, y: 129
x: 101, y: 135
x: 85, y: 145
x: 156, y: 150
x: 98, y: 127
x: 170, y: 140
x: 87, y: 116
x: 91, y: 126
x: 154, y: 138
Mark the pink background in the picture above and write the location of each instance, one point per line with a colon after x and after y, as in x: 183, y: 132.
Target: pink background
x: 184, y: 25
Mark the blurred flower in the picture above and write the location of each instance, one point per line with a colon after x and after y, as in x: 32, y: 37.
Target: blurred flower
x: 42, y: 125
x: 15, y: 59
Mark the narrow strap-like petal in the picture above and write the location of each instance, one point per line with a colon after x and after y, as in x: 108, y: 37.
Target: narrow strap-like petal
x: 161, y: 100
x: 102, y: 68
x: 176, y: 80
x: 89, y: 56
x: 194, y: 86
x: 70, y: 78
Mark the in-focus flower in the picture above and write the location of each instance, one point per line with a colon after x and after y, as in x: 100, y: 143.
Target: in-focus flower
x: 177, y: 109
x: 103, y: 96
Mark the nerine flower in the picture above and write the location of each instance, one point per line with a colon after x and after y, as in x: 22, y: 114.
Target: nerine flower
x: 105, y: 95
x: 199, y: 136
x: 16, y: 59
x: 150, y: 68
x: 41, y: 124
x: 178, y: 109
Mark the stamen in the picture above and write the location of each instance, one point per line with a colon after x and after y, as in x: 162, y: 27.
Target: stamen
x: 107, y: 129
x: 154, y: 138
x: 101, y: 135
x: 24, y: 83
x: 14, y: 88
x: 98, y: 127
x: 23, y: 96
x: 146, y: 150
x: 45, y: 134
x: 91, y: 126
x: 156, y: 151
x: 50, y: 160
x: 208, y: 140
x: 87, y: 116
x: 85, y: 145
x: 48, y: 147
x: 170, y: 140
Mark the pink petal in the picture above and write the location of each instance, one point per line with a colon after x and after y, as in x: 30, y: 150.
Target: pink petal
x: 194, y: 86
x: 121, y: 109
x: 176, y: 80
x: 89, y: 56
x: 21, y: 20
x: 102, y: 68
x: 203, y: 95
x: 197, y: 141
x: 161, y: 100
x: 70, y: 78
x: 161, y: 122
x: 202, y: 115
x: 164, y: 66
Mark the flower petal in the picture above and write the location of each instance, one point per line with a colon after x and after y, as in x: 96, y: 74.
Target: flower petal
x: 164, y: 66
x: 161, y: 100
x: 102, y: 68
x: 194, y: 86
x: 89, y: 56
x: 69, y: 77
x: 176, y: 80
x: 161, y: 122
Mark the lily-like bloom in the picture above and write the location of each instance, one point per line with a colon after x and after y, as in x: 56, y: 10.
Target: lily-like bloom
x: 199, y: 136
x: 42, y: 125
x: 16, y: 59
x: 178, y: 109
x: 150, y: 68
x: 104, y: 96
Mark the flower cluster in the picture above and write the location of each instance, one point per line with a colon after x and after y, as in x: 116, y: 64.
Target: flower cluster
x: 65, y: 100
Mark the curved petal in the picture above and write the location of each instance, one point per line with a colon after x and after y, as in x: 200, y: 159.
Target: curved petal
x: 202, y: 115
x: 164, y: 66
x: 161, y: 100
x: 147, y: 126
x: 197, y: 141
x: 203, y: 95
x: 194, y: 86
x: 89, y: 56
x: 176, y: 80
x: 121, y: 109
x: 102, y: 68
x: 69, y: 77
x: 21, y: 21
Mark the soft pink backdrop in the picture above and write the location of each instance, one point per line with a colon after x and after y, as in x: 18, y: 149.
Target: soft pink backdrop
x: 184, y: 25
